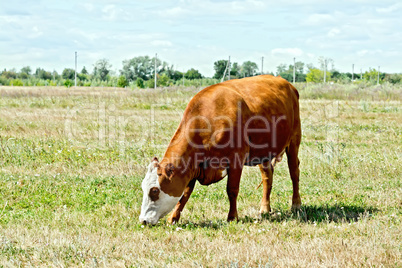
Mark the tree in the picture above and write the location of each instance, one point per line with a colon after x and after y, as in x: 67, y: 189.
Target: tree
x: 372, y: 75
x: 394, y: 78
x: 316, y: 75
x: 42, y: 74
x: 84, y: 70
x: 249, y: 68
x: 27, y: 70
x: 176, y: 75
x: 102, y: 69
x: 171, y: 73
x: 325, y: 63
x: 220, y: 67
x: 138, y: 67
x: 9, y: 74
x: 68, y: 73
x: 192, y: 74
x: 281, y: 68
x: 144, y: 68
x: 286, y: 72
x: 83, y: 76
x: 299, y: 67
x: 235, y: 70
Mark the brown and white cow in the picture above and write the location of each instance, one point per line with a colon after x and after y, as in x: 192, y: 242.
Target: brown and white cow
x: 249, y: 121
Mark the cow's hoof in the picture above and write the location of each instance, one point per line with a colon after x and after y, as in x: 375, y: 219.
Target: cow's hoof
x: 233, y: 217
x: 265, y: 210
x: 296, y: 207
x: 173, y: 220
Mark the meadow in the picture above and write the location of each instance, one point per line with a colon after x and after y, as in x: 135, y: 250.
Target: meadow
x: 72, y: 162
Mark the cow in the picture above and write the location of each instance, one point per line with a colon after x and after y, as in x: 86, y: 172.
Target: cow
x: 250, y: 121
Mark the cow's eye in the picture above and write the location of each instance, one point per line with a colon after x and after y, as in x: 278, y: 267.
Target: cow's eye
x: 154, y: 193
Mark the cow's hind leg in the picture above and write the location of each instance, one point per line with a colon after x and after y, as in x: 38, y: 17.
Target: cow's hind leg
x: 175, y: 216
x: 267, y: 172
x: 232, y: 189
x: 293, y: 164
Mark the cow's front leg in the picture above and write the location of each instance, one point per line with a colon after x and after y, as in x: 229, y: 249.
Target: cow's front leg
x: 175, y: 216
x: 232, y: 189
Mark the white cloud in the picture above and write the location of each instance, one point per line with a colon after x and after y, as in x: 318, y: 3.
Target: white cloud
x: 389, y: 9
x: 320, y: 19
x: 208, y: 7
x: 35, y: 33
x: 161, y: 43
x: 287, y: 52
x: 88, y: 7
x: 174, y: 12
x: 367, y: 52
x: 114, y: 13
x: 333, y: 32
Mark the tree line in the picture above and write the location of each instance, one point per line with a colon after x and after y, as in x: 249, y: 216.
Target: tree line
x: 139, y: 72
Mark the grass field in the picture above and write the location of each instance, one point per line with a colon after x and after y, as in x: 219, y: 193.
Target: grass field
x: 72, y: 162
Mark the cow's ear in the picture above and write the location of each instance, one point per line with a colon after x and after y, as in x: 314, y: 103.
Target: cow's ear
x: 169, y: 169
x: 155, y: 159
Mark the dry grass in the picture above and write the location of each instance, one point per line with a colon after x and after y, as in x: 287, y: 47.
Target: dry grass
x: 72, y: 160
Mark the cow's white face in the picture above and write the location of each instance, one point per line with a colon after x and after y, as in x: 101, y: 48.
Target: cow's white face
x: 155, y: 203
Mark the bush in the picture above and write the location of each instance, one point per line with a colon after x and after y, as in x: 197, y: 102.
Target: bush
x: 68, y: 83
x: 4, y: 81
x: 163, y: 80
x: 53, y: 83
x: 140, y: 82
x: 16, y: 82
x: 122, y: 82
x: 150, y: 83
x: 394, y: 78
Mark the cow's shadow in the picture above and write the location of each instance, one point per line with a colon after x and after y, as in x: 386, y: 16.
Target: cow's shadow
x: 323, y: 213
x: 308, y: 214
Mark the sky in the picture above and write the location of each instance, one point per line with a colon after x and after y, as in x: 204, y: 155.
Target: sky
x: 196, y: 33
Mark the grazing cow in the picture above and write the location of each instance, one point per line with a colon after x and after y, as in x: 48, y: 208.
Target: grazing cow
x: 250, y: 121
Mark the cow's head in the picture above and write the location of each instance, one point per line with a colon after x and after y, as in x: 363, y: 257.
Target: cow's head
x: 155, y: 203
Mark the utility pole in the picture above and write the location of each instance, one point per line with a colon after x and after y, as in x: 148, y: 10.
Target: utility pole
x: 229, y: 69
x: 75, y: 75
x: 325, y: 70
x: 262, y: 65
x: 156, y: 55
x: 378, y: 76
x: 353, y: 71
x: 294, y: 70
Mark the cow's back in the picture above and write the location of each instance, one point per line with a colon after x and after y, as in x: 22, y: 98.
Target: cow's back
x: 233, y: 114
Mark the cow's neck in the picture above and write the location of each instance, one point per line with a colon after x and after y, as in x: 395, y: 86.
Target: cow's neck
x: 181, y: 155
